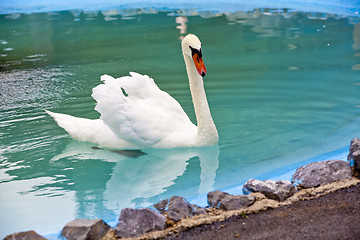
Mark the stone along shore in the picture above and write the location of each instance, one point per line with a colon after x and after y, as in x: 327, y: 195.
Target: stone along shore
x: 175, y: 215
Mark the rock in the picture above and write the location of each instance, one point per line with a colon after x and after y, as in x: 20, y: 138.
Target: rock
x: 79, y: 229
x: 29, y: 235
x: 354, y: 155
x: 215, y: 197
x: 230, y: 202
x: 354, y: 147
x: 161, y: 206
x: 356, y: 158
x: 321, y: 173
x: 178, y: 208
x: 136, y: 222
x: 225, y: 201
x: 277, y: 190
x: 197, y: 210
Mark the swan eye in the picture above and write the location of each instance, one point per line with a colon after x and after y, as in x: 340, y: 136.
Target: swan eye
x: 196, y: 51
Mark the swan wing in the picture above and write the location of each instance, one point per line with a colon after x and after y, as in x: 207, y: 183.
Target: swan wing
x: 136, y: 110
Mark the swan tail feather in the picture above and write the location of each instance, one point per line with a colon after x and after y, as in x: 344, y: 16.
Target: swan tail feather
x: 78, y: 128
x: 88, y: 130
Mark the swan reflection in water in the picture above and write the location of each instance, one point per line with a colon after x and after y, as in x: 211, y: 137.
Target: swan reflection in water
x: 136, y: 176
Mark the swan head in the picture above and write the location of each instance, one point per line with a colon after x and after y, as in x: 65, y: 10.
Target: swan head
x: 191, y: 47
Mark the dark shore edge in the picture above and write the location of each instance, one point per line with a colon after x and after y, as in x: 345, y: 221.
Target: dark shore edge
x: 261, y: 204
x: 176, y: 215
x: 332, y: 216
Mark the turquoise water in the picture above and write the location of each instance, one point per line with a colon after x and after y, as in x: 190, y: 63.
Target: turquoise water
x: 283, y: 87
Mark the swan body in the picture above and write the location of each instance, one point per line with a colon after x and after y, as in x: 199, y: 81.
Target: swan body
x: 135, y: 113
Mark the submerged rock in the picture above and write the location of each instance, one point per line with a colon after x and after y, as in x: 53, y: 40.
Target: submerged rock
x: 321, y: 173
x: 79, y: 229
x: 225, y: 201
x: 29, y: 235
x: 354, y: 155
x: 136, y: 222
x: 277, y: 190
x: 178, y: 208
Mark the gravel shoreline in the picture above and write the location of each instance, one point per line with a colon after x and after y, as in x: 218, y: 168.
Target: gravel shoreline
x: 332, y: 216
x: 329, y: 205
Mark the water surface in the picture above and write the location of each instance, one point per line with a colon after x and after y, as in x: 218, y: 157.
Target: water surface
x: 283, y: 87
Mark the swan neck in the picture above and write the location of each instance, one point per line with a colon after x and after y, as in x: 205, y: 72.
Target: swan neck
x: 207, y: 133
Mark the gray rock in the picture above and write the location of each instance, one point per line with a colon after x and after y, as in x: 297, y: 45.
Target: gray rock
x: 277, y: 190
x: 29, y: 235
x: 178, y: 208
x: 197, y: 210
x: 79, y: 229
x: 178, y: 205
x: 230, y: 202
x: 136, y: 222
x: 354, y: 147
x: 225, y: 201
x: 215, y: 197
x: 356, y: 158
x: 321, y: 173
x: 354, y: 155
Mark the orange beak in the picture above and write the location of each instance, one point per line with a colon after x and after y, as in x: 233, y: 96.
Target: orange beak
x: 199, y: 64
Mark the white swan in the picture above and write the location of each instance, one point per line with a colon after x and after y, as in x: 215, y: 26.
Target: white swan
x: 135, y: 113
